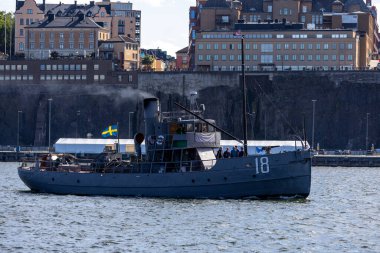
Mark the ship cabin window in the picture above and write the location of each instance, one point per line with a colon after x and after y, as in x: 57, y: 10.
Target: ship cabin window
x: 189, y: 128
x: 201, y: 128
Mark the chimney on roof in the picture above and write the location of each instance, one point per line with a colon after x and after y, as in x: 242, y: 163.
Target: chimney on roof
x: 92, y: 3
x: 75, y: 3
x: 368, y: 2
x: 51, y: 17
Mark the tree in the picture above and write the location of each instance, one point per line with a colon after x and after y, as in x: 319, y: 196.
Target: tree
x: 9, y: 18
x: 54, y: 55
x: 147, y: 61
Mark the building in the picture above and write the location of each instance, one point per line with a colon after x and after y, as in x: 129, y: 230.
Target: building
x: 123, y: 50
x: 65, y: 36
x: 277, y: 49
x: 182, y: 59
x: 262, y: 21
x: 67, y: 71
x: 119, y: 18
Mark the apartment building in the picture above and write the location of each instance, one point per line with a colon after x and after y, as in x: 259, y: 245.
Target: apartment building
x: 262, y: 21
x: 119, y: 18
x: 123, y: 50
x: 277, y: 50
x: 67, y: 36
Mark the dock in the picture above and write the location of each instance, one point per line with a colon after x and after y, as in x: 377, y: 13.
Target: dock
x: 346, y: 160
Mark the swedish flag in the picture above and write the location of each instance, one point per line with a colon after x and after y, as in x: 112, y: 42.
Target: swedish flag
x: 110, y: 131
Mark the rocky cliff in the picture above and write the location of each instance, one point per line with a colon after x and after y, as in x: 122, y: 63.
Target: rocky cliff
x: 278, y: 106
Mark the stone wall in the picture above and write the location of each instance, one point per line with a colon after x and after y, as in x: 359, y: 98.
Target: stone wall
x: 278, y: 105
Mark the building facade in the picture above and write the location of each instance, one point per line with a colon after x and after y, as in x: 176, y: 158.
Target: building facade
x: 262, y: 21
x: 65, y: 36
x: 278, y: 50
x: 119, y: 18
x: 123, y: 50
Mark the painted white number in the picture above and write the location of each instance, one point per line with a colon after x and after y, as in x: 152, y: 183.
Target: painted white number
x: 262, y: 166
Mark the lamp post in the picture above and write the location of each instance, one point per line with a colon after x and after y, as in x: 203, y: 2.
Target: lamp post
x: 18, y: 134
x: 76, y: 132
x: 129, y: 125
x: 312, y: 130
x: 50, y: 100
x: 252, y: 121
x: 366, y: 135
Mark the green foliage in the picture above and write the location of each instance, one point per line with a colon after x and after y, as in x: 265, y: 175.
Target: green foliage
x: 147, y: 61
x: 10, y: 21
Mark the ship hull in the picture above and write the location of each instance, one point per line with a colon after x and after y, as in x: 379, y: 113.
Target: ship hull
x: 287, y: 175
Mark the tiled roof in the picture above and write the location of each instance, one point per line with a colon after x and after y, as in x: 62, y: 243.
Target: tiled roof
x: 183, y: 50
x: 216, y: 3
x: 67, y: 22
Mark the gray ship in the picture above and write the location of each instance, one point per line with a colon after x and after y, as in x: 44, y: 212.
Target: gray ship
x: 179, y: 162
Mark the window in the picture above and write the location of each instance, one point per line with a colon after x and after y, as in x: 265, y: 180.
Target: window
x: 21, y: 46
x: 278, y: 57
x: 294, y: 46
x: 42, y: 45
x: 208, y: 57
x: 310, y: 46
x: 200, y: 46
x: 318, y: 46
x: 266, y: 48
x: 232, y: 46
x: 29, y: 11
x: 310, y: 57
x: 278, y: 46
x: 304, y: 9
x: 266, y: 58
x: 96, y: 66
x: 341, y: 57
x: 279, y: 36
x: 302, y: 46
x: 216, y: 57
x: 294, y: 57
x: 31, y: 45
x: 325, y: 46
x: 71, y: 45
x: 21, y: 21
x: 61, y: 45
x: 247, y: 46
x: 286, y: 46
x: 303, y: 19
x: 208, y: 46
x: 255, y: 57
x: 325, y: 57
x: 349, y: 57
x: 91, y: 45
x: 333, y: 46
x: 224, y: 57
x: 224, y: 46
x: 247, y: 57
x: 232, y: 57
x: 302, y: 57
x: 319, y: 36
x: 269, y: 8
x: 21, y: 32
x: 216, y: 46
x: 255, y: 46
x: 341, y: 46
x: 200, y: 57
x: 349, y: 46
x: 333, y: 57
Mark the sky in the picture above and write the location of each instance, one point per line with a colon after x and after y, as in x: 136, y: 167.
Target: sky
x: 164, y: 23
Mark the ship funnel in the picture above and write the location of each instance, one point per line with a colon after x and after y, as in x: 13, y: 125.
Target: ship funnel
x: 151, y: 115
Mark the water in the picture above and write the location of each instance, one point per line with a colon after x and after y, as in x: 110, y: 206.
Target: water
x: 342, y: 214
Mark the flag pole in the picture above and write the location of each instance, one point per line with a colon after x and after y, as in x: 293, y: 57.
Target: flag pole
x: 118, y: 138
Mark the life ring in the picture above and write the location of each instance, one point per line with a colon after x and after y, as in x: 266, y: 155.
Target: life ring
x: 160, y: 140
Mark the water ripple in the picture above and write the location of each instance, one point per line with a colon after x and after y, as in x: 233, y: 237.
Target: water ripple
x: 341, y: 215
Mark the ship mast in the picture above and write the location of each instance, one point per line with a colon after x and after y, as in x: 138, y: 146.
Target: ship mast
x: 244, y: 86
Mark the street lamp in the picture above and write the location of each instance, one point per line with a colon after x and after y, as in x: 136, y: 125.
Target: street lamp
x: 252, y: 121
x: 366, y: 135
x: 50, y: 100
x: 312, y: 131
x: 76, y: 133
x: 129, y: 124
x: 18, y: 134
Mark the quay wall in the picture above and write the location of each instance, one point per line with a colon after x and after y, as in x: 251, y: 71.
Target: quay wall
x: 278, y: 104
